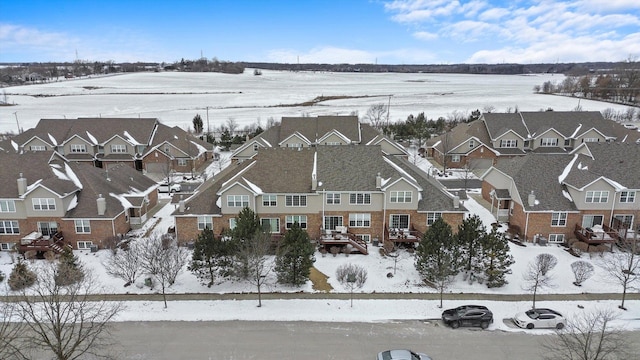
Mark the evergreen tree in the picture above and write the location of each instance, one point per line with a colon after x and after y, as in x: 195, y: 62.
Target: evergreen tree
x: 436, y: 256
x: 496, y: 260
x: 247, y: 227
x: 21, y: 277
x: 211, y: 258
x: 226, y: 139
x: 469, y: 237
x: 69, y: 270
x: 197, y: 124
x: 295, y: 257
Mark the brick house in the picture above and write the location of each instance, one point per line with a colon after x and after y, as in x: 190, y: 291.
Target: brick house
x: 589, y: 194
x: 48, y: 202
x: 342, y: 195
x: 141, y: 143
x: 497, y: 135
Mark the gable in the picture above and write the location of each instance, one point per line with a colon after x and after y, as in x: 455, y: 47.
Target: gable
x: 294, y: 139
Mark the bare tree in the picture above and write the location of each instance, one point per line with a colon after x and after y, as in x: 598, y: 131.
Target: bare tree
x: 69, y: 321
x: 162, y: 258
x: 352, y: 277
x: 11, y: 332
x: 537, y: 275
x: 623, y: 266
x: 588, y: 336
x: 376, y: 115
x: 255, y: 251
x: 232, y: 125
x: 124, y: 263
x: 582, y: 271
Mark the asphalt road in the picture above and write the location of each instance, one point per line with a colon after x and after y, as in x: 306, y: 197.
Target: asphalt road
x: 268, y: 340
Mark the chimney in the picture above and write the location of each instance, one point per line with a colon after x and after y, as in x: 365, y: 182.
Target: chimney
x: 378, y: 181
x: 22, y: 185
x: 456, y: 201
x: 314, y: 182
x: 531, y: 199
x: 181, y: 205
x: 102, y: 204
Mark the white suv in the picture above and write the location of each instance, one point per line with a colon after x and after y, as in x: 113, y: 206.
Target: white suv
x: 166, y: 188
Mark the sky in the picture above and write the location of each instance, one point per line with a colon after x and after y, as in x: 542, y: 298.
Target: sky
x: 321, y: 31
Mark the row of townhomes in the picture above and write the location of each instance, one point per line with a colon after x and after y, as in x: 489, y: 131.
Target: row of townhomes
x: 339, y: 179
x: 480, y: 143
x: 141, y: 143
x: 589, y: 194
x: 48, y: 202
x: 80, y: 182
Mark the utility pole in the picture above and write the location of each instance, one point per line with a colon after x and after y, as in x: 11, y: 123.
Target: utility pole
x: 15, y: 113
x: 388, y: 109
x: 208, y: 128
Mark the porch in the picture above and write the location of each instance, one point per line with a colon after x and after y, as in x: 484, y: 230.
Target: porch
x: 39, y: 243
x: 341, y: 237
x: 596, y: 235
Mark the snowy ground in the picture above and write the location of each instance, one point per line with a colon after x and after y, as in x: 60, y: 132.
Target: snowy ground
x: 405, y: 279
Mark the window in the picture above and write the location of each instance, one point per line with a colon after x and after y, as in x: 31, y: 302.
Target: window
x: 47, y: 228
x: 549, y: 142
x: 333, y: 199
x: 38, y: 148
x: 625, y: 220
x: 333, y: 143
x: 78, y: 148
x: 232, y: 223
x: 455, y: 158
x: 597, y: 196
x: 269, y: 200
x: 432, y: 217
x: 271, y: 225
x: 592, y: 220
x: 472, y: 143
x: 364, y: 237
x: 399, y: 221
x: 118, y: 148
x: 330, y: 222
x: 296, y: 200
x: 44, y: 204
x: 205, y: 222
x: 627, y: 196
x: 85, y: 245
x: 360, y: 198
x: 295, y: 145
x: 82, y: 226
x: 567, y: 142
x: 9, y: 227
x: 401, y: 196
x: 7, y: 246
x: 508, y: 143
x: 237, y: 200
x: 182, y: 162
x: 587, y: 140
x: 7, y: 206
x: 359, y: 220
x: 300, y: 219
x: 255, y: 147
x: 559, y: 219
x: 556, y: 238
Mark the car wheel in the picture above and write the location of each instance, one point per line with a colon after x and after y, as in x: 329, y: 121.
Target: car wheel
x: 455, y: 324
x: 559, y: 326
x: 529, y: 326
x: 484, y: 324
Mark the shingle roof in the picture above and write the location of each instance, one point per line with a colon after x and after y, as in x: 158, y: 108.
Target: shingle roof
x: 180, y: 139
x: 619, y: 162
x: 499, y: 123
x: 314, y: 128
x: 281, y: 170
x: 120, y: 181
x: 35, y: 168
x: 539, y: 173
x: 460, y: 134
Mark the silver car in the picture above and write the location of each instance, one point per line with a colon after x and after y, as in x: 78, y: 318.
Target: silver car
x: 402, y: 355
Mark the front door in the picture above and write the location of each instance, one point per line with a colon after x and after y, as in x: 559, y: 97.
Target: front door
x: 592, y: 220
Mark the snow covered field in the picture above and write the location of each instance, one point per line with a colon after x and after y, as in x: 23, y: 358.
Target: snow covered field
x: 175, y: 98
x: 404, y: 280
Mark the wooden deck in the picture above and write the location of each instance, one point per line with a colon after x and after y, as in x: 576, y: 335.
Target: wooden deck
x: 335, y: 238
x: 39, y: 243
x: 594, y: 237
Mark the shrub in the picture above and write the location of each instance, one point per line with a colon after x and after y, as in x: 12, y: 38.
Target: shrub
x: 21, y: 277
x: 335, y: 250
x: 2, y: 276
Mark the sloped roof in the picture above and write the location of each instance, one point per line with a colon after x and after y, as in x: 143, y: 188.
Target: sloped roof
x: 619, y: 162
x: 119, y: 181
x: 497, y: 124
x: 314, y: 128
x: 567, y: 123
x: 539, y: 173
x: 179, y: 138
x: 460, y: 134
x: 34, y: 166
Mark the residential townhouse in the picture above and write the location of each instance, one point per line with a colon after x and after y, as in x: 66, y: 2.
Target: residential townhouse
x: 142, y: 143
x: 317, y: 131
x: 496, y: 135
x: 342, y: 195
x: 589, y: 194
x: 48, y: 202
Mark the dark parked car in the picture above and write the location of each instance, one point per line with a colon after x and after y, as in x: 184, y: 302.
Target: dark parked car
x: 468, y: 315
x: 401, y: 355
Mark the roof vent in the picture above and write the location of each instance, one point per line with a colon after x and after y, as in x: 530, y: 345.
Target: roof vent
x: 102, y: 205
x: 531, y: 199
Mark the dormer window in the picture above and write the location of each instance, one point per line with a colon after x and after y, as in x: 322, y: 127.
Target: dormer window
x: 78, y: 148
x: 472, y: 143
x: 548, y: 142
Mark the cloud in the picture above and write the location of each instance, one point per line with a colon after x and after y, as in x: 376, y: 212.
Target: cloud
x: 425, y: 35
x: 14, y: 36
x: 322, y: 55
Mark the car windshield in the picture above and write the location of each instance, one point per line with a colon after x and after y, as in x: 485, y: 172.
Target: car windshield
x: 532, y: 314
